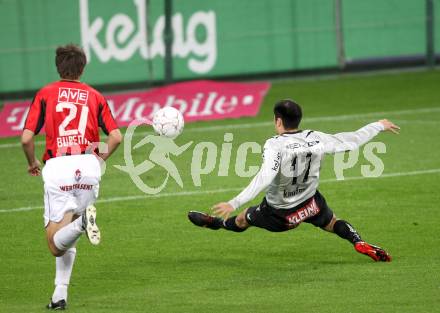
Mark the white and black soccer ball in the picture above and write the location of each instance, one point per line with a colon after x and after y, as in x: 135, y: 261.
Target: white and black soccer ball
x: 168, y: 122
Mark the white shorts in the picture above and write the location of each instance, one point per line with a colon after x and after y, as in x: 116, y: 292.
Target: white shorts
x: 71, y: 183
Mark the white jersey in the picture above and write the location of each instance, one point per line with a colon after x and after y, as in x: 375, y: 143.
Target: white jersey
x: 292, y: 161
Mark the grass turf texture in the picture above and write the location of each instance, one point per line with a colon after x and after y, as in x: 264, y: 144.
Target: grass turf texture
x: 152, y: 259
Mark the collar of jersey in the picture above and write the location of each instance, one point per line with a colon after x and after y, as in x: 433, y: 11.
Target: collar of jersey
x: 70, y: 81
x: 292, y: 132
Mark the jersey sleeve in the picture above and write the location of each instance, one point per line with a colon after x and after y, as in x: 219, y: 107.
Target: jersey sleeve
x: 348, y: 141
x: 105, y: 117
x: 268, y: 171
x: 36, y: 115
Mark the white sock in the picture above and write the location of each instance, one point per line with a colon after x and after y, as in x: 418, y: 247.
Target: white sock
x: 64, y: 265
x: 66, y: 236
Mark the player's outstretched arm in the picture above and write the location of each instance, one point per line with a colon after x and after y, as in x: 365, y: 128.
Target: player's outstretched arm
x: 348, y: 141
x: 113, y: 140
x: 27, y: 142
x: 268, y: 171
x: 259, y: 183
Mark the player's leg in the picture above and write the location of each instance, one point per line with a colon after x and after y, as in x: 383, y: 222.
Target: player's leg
x: 346, y: 231
x: 63, y: 272
x: 62, y: 237
x: 63, y: 215
x: 69, y: 214
x: 59, y: 219
x: 329, y: 222
x: 236, y: 223
x: 261, y: 216
x: 83, y: 221
x: 62, y: 244
x: 63, y: 234
x: 63, y: 267
x: 343, y: 229
x: 64, y: 261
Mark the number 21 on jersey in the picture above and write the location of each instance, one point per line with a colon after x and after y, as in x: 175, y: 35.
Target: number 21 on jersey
x: 73, y: 111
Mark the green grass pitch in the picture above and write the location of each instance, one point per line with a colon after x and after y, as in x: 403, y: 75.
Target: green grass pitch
x: 153, y: 260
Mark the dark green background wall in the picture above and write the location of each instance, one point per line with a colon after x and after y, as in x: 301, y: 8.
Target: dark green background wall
x: 228, y: 37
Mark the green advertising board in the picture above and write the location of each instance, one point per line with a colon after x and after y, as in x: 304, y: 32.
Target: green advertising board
x: 378, y: 28
x: 124, y: 39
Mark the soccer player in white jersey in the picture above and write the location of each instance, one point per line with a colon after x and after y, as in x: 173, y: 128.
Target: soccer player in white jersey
x: 72, y: 113
x: 290, y: 176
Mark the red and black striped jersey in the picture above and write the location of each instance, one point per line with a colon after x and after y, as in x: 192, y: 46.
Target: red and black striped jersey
x: 71, y: 113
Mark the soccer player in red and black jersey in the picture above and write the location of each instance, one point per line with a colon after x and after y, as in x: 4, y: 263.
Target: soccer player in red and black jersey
x: 71, y: 113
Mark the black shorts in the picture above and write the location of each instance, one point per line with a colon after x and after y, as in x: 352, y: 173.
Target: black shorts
x: 314, y: 210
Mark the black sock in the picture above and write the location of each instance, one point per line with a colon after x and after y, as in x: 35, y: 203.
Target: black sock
x: 229, y: 224
x: 344, y: 230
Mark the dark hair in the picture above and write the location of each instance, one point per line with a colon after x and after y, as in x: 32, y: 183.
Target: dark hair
x: 70, y: 61
x: 289, y: 112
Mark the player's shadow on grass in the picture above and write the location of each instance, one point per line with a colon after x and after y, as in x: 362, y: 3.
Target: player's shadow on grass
x: 306, y: 256
x: 282, y: 261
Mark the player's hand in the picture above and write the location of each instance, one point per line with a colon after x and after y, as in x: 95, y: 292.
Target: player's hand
x: 389, y: 126
x: 223, y: 209
x: 34, y: 168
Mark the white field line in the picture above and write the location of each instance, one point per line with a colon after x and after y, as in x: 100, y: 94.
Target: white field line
x: 426, y: 122
x: 383, y: 114
x: 225, y: 190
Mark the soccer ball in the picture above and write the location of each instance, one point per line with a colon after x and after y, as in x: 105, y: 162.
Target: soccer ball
x: 168, y: 122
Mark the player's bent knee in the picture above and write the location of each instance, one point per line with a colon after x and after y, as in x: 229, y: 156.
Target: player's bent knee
x: 55, y: 251
x: 329, y: 226
x: 53, y: 248
x: 58, y: 253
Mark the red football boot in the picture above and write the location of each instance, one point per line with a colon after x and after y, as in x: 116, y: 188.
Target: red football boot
x: 376, y: 253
